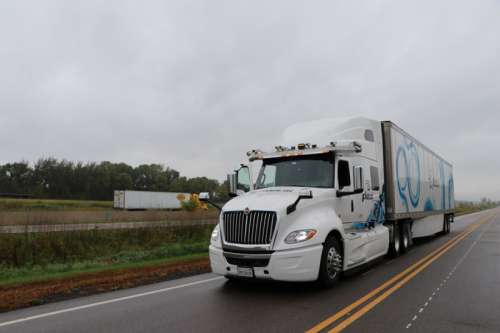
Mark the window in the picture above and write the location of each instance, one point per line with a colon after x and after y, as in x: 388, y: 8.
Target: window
x: 344, y: 174
x: 374, y: 178
x: 300, y: 171
x: 269, y: 176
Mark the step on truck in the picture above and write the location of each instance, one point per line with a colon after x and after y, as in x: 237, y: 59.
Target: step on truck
x: 334, y: 195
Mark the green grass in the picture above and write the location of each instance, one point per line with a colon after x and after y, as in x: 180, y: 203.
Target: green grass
x: 38, y: 274
x: 18, y: 251
x: 467, y: 207
x: 50, y: 204
x: 40, y: 256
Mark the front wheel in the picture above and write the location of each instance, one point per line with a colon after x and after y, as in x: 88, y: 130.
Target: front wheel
x: 331, y: 263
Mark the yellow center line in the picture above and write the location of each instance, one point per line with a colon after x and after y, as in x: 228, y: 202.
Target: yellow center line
x: 401, y: 283
x: 327, y: 322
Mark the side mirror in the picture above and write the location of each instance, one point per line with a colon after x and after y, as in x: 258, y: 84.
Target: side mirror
x: 358, y: 178
x: 204, y: 196
x: 240, y: 181
x: 231, y: 183
x: 305, y: 194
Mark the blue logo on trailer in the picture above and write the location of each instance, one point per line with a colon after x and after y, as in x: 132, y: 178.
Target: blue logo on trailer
x: 428, y: 206
x: 406, y: 154
x: 443, y: 186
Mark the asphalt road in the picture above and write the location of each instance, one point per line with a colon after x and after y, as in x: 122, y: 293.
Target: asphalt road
x: 456, y: 288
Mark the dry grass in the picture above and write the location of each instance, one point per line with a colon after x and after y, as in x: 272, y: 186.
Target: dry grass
x: 37, y: 217
x: 7, y: 204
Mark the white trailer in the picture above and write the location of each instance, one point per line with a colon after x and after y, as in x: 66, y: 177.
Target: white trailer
x: 335, y: 194
x: 139, y: 200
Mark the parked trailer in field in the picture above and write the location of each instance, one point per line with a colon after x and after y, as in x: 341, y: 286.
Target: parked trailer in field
x: 135, y: 200
x: 337, y: 194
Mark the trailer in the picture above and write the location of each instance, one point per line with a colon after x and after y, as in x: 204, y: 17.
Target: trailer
x: 334, y: 194
x: 143, y: 200
x: 419, y: 183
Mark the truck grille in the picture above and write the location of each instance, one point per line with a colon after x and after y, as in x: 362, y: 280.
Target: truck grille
x: 254, y: 228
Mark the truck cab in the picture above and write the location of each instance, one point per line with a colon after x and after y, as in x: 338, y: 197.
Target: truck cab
x: 314, y: 209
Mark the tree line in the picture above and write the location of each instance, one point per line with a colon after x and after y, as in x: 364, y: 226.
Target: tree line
x: 62, y: 179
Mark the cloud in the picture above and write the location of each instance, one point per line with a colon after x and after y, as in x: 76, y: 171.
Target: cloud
x: 195, y: 84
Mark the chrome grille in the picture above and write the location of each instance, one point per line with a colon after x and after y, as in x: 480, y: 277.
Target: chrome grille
x: 254, y: 228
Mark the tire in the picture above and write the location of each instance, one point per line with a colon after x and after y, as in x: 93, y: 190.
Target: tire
x: 395, y: 245
x: 405, y: 238
x: 331, y: 264
x: 446, y: 226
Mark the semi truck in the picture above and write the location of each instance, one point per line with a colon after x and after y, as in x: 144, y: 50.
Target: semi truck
x: 333, y: 195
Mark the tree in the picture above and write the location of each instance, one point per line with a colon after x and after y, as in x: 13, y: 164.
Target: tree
x: 52, y: 178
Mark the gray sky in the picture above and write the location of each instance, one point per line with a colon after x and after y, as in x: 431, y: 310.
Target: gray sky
x: 195, y: 84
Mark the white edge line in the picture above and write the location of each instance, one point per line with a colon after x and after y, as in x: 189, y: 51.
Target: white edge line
x: 115, y: 300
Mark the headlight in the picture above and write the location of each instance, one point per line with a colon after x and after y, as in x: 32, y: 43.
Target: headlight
x: 300, y: 236
x: 215, y: 234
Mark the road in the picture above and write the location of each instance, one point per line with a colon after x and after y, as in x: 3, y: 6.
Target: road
x: 444, y: 284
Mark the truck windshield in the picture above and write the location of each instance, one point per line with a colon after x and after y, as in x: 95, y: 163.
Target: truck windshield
x: 303, y: 171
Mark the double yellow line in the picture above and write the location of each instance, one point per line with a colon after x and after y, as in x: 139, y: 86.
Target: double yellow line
x: 396, y: 282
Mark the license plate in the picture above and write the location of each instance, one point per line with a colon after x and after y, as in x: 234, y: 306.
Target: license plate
x: 245, y: 271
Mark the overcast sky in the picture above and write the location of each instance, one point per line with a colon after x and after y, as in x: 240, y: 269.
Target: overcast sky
x: 195, y: 84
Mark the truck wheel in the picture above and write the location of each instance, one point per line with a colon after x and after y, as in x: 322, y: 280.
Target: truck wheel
x: 446, y: 226
x: 331, y: 263
x: 395, y: 245
x: 405, y: 237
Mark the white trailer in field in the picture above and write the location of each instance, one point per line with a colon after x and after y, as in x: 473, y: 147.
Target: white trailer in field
x: 139, y: 200
x: 334, y: 195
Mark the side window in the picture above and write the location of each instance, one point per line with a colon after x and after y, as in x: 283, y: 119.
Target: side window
x: 243, y: 182
x: 374, y: 178
x: 344, y: 174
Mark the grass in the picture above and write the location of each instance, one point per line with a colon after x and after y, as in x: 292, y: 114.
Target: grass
x: 55, y: 272
x: 52, y: 204
x: 467, y: 207
x: 28, y: 250
x: 54, y: 256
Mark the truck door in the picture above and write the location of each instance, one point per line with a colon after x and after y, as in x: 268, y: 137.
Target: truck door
x: 357, y: 200
x: 345, y: 204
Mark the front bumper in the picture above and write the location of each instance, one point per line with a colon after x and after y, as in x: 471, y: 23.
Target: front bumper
x: 290, y: 265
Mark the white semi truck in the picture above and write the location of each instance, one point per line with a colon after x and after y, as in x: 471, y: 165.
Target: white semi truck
x: 334, y: 195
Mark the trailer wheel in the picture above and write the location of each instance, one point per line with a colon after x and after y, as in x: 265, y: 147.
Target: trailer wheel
x: 395, y: 245
x: 446, y: 225
x: 331, y: 263
x: 405, y: 237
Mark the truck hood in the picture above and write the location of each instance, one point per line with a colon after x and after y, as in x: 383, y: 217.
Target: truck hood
x: 271, y: 199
